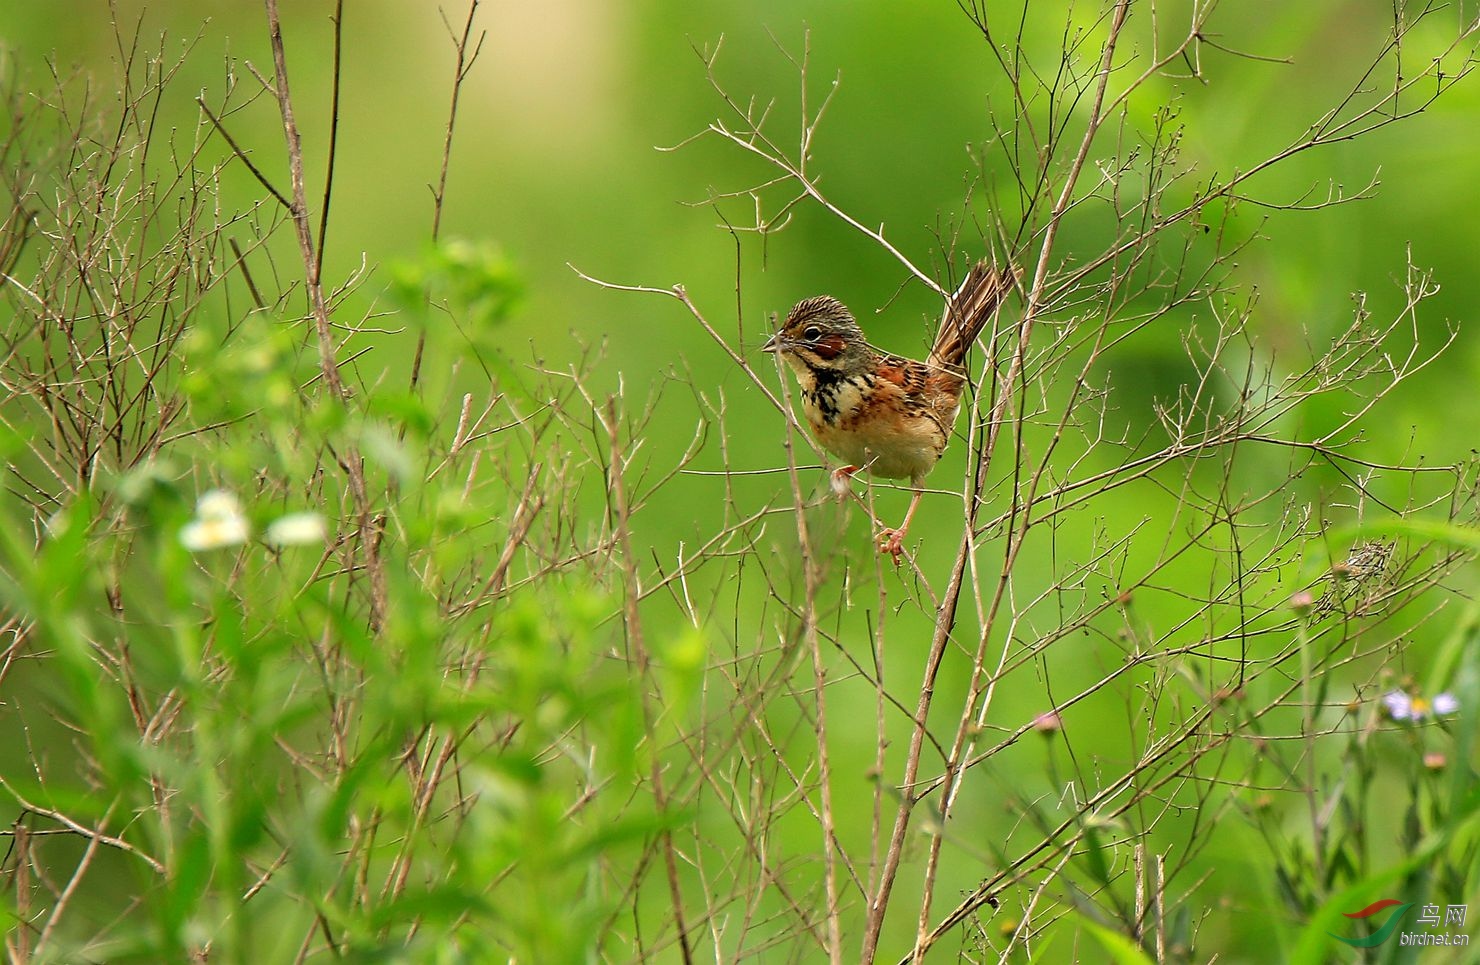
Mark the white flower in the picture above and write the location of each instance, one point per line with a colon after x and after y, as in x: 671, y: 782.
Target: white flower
x: 1445, y: 703
x: 1398, y: 704
x: 295, y: 529
x: 218, y: 522
x: 1401, y: 705
x: 218, y: 504
x: 58, y: 523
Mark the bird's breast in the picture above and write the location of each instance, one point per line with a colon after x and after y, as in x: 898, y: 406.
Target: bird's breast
x: 869, y: 421
x: 833, y: 397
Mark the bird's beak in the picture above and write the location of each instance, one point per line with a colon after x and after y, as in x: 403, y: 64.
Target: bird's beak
x: 773, y: 344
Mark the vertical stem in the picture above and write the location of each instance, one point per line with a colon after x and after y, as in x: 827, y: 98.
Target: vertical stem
x: 946, y: 618
x: 352, y: 463
x: 812, y: 579
x: 18, y: 943
x: 298, y: 208
x: 638, y: 653
x: 1138, y: 925
x: 1159, y: 897
x: 878, y: 902
x: 336, y: 75
x: 439, y: 195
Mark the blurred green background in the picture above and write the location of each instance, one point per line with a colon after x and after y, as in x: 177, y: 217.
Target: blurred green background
x: 557, y: 159
x: 555, y: 153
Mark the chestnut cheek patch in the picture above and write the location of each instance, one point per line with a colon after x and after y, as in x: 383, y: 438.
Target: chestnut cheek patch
x: 829, y: 348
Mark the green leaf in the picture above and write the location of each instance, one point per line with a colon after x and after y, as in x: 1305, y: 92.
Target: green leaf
x: 1095, y: 849
x: 1122, y: 950
x: 190, y: 873
x: 1316, y: 941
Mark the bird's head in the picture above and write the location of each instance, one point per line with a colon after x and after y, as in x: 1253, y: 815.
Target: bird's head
x: 820, y: 335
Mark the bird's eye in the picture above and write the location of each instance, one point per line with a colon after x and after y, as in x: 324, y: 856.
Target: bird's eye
x: 811, y: 333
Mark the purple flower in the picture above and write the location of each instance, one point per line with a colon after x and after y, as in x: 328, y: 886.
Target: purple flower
x: 1401, y: 705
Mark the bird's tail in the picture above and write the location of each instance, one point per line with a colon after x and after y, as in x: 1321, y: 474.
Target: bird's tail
x: 968, y: 312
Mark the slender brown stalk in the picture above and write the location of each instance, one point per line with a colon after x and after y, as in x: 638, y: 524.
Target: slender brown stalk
x: 351, y: 461
x: 466, y: 56
x: 638, y: 654
x: 298, y: 210
x: 1011, y: 389
x: 336, y: 76
x: 812, y: 579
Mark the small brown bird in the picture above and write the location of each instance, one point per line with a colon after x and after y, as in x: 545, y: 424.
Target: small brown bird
x: 889, y: 415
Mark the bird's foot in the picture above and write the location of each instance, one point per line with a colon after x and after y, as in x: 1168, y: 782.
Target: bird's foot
x: 891, y: 541
x: 842, y: 480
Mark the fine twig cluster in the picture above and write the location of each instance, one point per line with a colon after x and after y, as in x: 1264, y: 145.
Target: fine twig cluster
x: 510, y: 704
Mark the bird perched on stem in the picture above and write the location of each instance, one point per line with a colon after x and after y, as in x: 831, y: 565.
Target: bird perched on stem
x: 888, y: 415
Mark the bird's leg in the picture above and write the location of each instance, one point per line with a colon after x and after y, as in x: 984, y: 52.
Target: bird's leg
x: 891, y: 541
x: 841, y: 479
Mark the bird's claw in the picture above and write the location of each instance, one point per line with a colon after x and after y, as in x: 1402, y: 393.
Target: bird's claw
x: 841, y: 480
x: 891, y: 541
